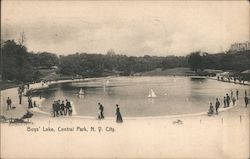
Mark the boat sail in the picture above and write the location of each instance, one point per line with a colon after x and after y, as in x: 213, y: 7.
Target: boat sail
x: 151, y: 94
x: 81, y: 92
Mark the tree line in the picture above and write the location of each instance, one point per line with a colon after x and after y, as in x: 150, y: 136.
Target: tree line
x: 20, y: 65
x: 17, y: 64
x: 236, y: 62
x: 98, y: 64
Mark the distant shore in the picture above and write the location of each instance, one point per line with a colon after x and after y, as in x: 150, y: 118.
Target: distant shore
x: 179, y: 71
x: 56, y: 77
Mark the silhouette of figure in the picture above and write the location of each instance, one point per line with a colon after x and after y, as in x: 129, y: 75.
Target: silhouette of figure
x: 217, y: 105
x: 211, y: 109
x: 246, y: 101
x: 118, y: 114
x: 8, y: 103
x: 237, y: 94
x: 101, y: 108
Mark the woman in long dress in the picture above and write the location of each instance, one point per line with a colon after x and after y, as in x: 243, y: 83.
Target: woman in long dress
x: 118, y: 115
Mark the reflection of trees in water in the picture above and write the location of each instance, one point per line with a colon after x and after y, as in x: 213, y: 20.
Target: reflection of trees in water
x: 49, y: 93
x: 198, y: 79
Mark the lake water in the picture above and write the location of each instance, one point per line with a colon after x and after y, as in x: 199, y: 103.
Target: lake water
x: 175, y: 95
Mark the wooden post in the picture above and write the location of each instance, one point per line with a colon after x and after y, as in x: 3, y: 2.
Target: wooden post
x: 240, y: 118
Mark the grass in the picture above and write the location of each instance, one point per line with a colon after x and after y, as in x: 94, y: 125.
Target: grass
x: 179, y: 71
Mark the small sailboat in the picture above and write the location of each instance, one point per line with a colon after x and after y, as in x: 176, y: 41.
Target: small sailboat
x: 81, y: 92
x: 151, y: 94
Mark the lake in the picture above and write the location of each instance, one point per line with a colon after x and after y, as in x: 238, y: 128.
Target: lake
x: 174, y: 95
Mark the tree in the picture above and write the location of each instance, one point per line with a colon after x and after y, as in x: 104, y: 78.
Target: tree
x: 15, y: 64
x: 195, y: 61
x: 48, y: 59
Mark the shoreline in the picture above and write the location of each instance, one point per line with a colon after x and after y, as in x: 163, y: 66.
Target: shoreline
x: 14, y: 85
x: 38, y: 86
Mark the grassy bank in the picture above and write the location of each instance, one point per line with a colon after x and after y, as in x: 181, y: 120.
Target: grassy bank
x: 179, y: 71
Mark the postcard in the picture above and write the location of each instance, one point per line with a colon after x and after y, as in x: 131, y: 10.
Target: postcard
x: 125, y: 79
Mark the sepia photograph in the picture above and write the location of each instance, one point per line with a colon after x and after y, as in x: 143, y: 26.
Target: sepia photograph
x: 125, y: 79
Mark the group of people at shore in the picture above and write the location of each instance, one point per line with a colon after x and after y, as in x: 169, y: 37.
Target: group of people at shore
x: 20, y: 91
x: 230, y: 79
x: 61, y: 108
x: 227, y: 100
x: 100, y: 115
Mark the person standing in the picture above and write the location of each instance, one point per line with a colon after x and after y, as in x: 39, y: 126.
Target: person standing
x: 20, y: 98
x: 245, y: 93
x: 20, y: 91
x: 246, y: 101
x: 34, y: 104
x: 67, y: 107
x: 118, y: 114
x: 228, y: 100
x: 30, y: 102
x: 211, y: 109
x: 237, y: 94
x: 58, y: 108
x: 9, y: 103
x: 225, y: 102
x: 63, y: 111
x: 70, y: 110
x: 54, y: 108
x: 217, y: 105
x: 102, y: 110
x: 99, y: 113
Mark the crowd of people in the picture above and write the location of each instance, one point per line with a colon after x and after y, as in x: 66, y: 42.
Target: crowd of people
x: 230, y: 79
x: 227, y: 101
x: 61, y: 109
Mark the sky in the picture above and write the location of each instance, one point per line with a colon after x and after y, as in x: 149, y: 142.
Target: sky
x: 137, y: 28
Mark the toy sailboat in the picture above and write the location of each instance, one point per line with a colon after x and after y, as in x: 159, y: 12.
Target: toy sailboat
x: 151, y: 94
x: 81, y: 92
